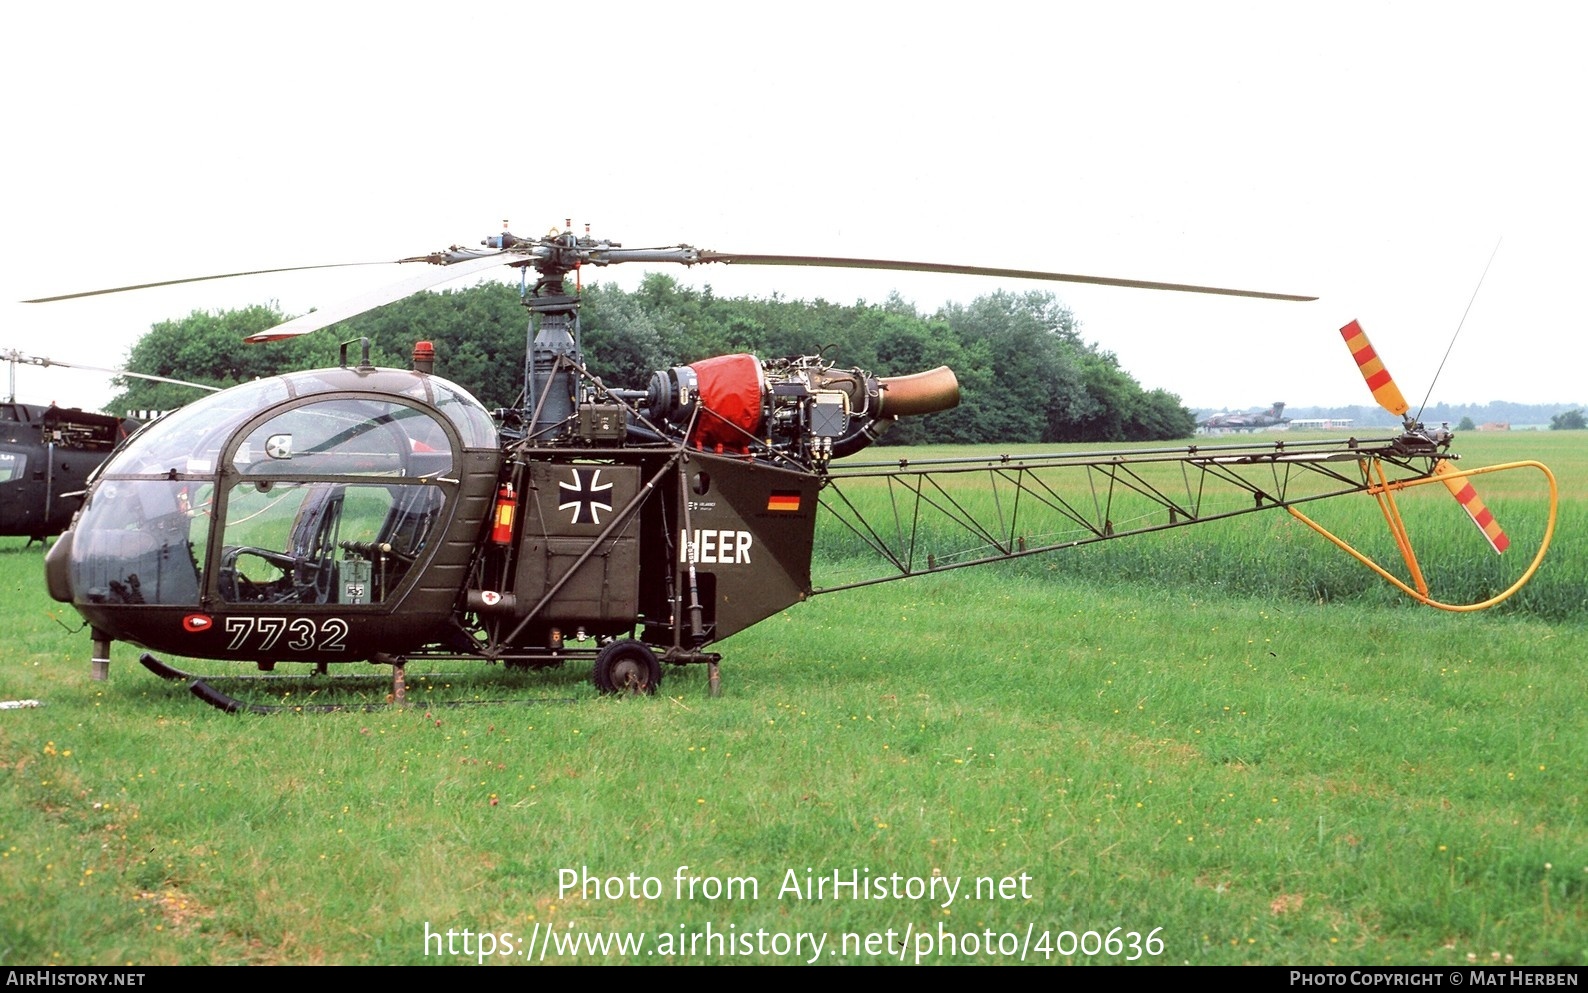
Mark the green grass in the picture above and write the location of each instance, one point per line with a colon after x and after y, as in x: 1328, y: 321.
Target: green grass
x: 1263, y: 777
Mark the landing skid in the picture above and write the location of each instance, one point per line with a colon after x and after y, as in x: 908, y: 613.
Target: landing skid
x: 167, y: 671
x: 396, y: 699
x: 231, y: 705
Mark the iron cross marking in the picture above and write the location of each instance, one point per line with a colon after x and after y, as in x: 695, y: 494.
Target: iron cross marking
x: 586, y: 495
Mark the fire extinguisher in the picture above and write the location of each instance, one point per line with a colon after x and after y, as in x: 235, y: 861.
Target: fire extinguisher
x: 506, y: 504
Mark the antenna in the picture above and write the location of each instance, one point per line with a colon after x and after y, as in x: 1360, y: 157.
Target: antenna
x: 1463, y: 320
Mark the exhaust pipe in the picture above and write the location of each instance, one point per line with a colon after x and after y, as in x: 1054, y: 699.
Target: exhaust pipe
x: 900, y: 396
x: 922, y: 393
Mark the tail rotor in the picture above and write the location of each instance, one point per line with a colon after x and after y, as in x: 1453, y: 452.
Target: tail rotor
x: 1372, y: 368
x: 1461, y: 488
x: 1389, y: 397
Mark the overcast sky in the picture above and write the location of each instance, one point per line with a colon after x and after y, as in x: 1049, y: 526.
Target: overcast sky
x: 1371, y: 154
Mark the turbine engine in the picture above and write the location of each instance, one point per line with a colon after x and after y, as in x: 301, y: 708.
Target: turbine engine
x: 801, y: 406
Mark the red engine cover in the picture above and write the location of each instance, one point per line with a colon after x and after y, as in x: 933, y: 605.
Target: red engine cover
x: 730, y: 402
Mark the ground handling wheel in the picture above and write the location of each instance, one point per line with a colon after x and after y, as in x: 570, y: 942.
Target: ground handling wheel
x: 627, y: 667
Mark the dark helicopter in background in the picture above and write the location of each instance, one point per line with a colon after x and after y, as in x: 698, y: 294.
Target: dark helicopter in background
x: 362, y: 513
x: 48, y: 452
x: 1248, y: 421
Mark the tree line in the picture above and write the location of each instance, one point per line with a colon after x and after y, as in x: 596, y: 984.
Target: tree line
x: 1025, y: 373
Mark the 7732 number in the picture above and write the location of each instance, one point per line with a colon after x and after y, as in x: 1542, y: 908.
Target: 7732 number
x: 294, y: 634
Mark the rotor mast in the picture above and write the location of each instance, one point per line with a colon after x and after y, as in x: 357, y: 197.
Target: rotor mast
x: 555, y: 353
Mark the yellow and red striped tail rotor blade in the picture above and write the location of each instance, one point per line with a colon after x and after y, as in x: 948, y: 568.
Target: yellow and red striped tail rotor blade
x: 1461, y: 488
x: 1378, y: 378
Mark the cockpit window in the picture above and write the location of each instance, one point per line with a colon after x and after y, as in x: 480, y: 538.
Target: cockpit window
x: 323, y: 543
x: 297, y: 529
x: 190, y: 440
x: 13, y: 465
x: 349, y: 436
x: 465, y: 412
x: 143, y: 541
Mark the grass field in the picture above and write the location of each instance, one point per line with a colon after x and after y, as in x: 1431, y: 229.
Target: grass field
x: 1181, y: 736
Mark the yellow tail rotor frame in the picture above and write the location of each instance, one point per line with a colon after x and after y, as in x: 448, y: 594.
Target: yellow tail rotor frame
x: 1384, y: 490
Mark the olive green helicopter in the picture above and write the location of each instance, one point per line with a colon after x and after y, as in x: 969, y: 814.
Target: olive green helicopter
x: 385, y: 515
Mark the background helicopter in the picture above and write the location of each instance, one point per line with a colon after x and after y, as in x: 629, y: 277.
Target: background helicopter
x: 47, y: 452
x: 361, y: 513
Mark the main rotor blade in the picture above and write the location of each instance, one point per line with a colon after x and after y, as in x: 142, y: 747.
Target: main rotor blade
x: 315, y: 320
x: 12, y: 355
x: 139, y: 375
x: 197, y: 279
x: 732, y: 258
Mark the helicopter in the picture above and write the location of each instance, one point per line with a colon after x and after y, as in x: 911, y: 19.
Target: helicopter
x: 48, y: 452
x: 359, y: 513
x: 1251, y: 421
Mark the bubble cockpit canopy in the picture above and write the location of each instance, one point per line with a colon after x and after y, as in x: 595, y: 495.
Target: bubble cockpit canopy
x: 316, y: 488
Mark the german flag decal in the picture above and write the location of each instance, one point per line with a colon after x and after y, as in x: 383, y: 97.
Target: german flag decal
x: 787, y: 501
